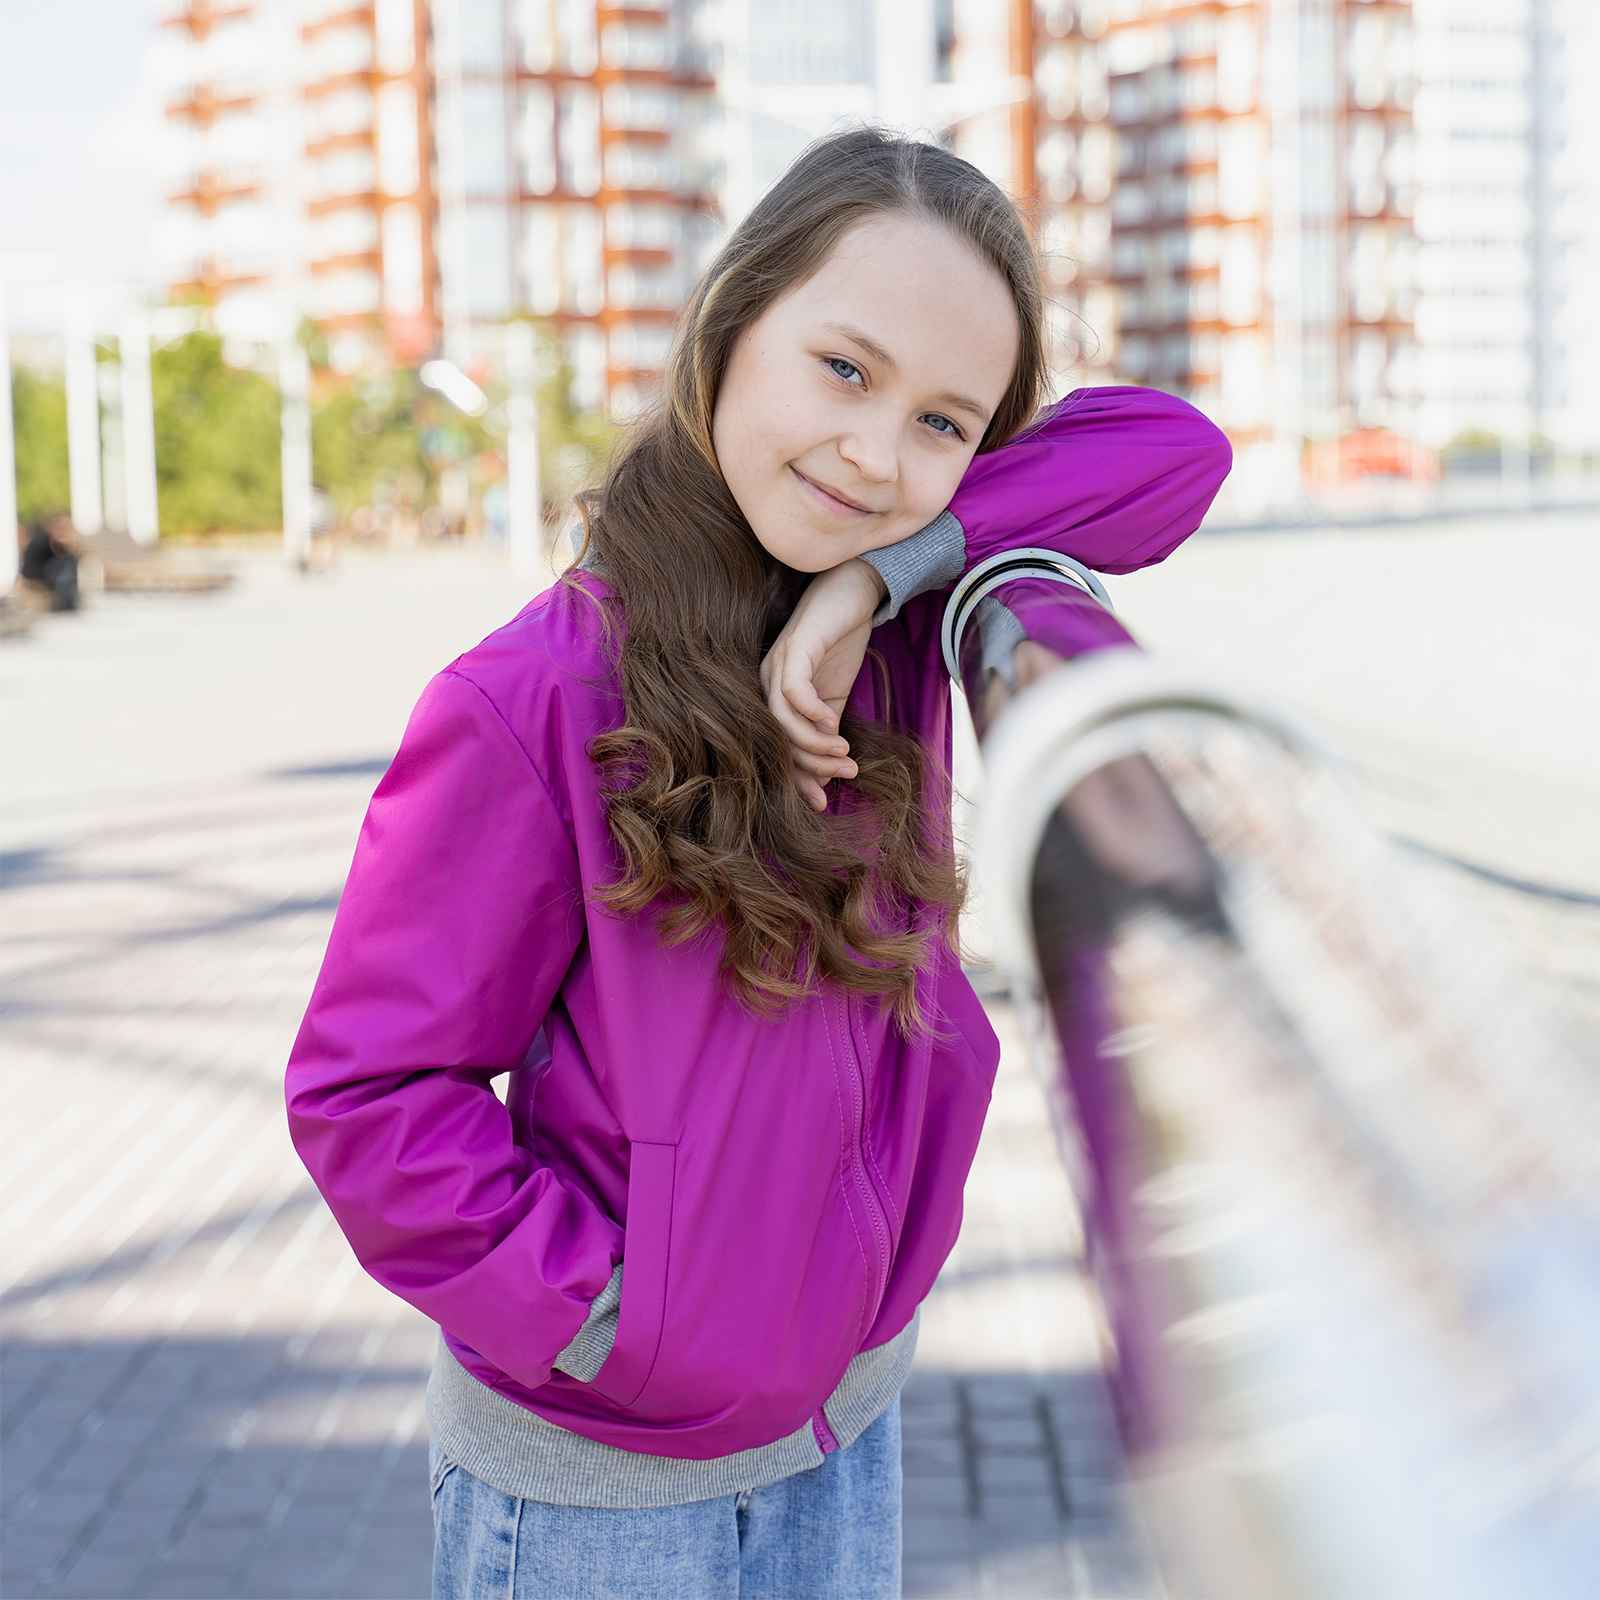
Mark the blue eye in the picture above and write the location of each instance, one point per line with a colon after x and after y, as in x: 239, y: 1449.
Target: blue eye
x: 847, y: 370
x: 942, y: 424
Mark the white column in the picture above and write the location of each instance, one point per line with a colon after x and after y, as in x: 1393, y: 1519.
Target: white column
x: 522, y: 450
x: 8, y: 462
x: 83, y: 425
x: 294, y: 382
x: 139, y: 429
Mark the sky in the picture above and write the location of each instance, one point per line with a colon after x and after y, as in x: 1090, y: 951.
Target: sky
x: 80, y: 183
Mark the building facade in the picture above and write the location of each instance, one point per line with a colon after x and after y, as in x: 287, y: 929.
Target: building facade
x: 1310, y: 217
x: 1317, y: 217
x: 409, y: 174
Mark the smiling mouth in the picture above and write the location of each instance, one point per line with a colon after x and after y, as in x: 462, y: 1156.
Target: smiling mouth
x: 831, y: 498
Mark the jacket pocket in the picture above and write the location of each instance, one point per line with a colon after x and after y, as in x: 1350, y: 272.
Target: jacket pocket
x: 646, y: 1242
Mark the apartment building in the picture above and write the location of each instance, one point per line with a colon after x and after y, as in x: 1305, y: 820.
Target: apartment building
x: 411, y: 173
x: 1073, y: 172
x: 1313, y: 217
x: 303, y: 175
x: 575, y: 178
x: 1507, y: 228
x: 1309, y: 216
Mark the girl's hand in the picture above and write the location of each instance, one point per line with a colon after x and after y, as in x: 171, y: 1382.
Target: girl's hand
x: 808, y: 672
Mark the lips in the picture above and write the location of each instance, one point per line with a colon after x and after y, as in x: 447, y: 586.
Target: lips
x: 831, y: 499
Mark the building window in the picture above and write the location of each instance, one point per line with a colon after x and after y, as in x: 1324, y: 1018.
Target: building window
x: 578, y: 138
x: 482, y: 35
x: 398, y: 167
x: 557, y: 36
x: 345, y: 111
x: 350, y: 170
x: 346, y: 292
x: 336, y: 52
x: 643, y: 110
x: 631, y: 227
x: 402, y: 261
x: 636, y: 47
x: 488, y: 261
x: 394, y: 27
x: 640, y: 346
x: 351, y: 231
x: 536, y: 139
x: 541, y: 259
x: 583, y: 284
x: 641, y: 166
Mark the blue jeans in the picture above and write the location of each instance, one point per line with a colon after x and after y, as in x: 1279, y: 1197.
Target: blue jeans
x: 832, y: 1533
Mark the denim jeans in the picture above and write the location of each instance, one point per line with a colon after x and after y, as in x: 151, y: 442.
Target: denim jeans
x: 832, y: 1533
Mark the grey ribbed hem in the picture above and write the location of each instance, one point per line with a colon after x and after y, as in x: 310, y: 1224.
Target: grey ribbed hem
x: 927, y: 559
x: 517, y: 1452
x: 1001, y: 633
x: 592, y: 1343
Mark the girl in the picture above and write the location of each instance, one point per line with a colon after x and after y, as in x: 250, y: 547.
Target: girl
x: 672, y: 849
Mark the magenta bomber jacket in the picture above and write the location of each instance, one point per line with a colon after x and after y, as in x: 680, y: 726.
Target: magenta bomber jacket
x: 783, y: 1192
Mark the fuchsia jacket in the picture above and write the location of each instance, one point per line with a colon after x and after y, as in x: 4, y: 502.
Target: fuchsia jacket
x: 783, y: 1192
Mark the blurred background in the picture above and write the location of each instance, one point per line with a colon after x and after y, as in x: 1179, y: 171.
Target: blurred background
x: 319, y: 311
x: 1360, y: 234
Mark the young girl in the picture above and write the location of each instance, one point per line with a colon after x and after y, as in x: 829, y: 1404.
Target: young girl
x: 672, y: 849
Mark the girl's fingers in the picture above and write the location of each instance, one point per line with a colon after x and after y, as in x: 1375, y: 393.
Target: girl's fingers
x: 811, y: 792
x: 804, y: 733
x: 800, y: 691
x: 823, y: 768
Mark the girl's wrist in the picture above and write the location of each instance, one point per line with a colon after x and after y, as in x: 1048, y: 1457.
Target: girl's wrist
x: 868, y: 576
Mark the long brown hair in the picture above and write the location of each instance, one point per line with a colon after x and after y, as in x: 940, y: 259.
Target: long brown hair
x: 713, y: 834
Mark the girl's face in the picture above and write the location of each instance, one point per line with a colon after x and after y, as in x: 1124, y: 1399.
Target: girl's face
x: 852, y: 405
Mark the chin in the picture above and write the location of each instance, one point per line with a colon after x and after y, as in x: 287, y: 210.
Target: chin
x: 801, y: 552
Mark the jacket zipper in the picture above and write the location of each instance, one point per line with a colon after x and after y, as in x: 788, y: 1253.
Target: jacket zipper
x: 871, y: 1201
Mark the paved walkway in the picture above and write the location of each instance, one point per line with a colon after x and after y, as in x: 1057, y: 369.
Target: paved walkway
x: 204, y: 1396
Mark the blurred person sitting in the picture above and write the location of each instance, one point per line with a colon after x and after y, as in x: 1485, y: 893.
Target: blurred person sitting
x: 49, y: 560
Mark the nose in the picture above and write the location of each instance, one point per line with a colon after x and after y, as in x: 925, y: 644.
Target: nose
x: 872, y: 448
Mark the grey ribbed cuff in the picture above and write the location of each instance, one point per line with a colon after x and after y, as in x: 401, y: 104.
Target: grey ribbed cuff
x: 592, y: 1343
x: 1001, y: 633
x: 927, y: 559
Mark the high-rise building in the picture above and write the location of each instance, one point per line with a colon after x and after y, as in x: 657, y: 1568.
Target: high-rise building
x: 1308, y: 216
x: 1260, y: 214
x: 1317, y: 216
x: 1507, y: 173
x: 304, y: 172
x: 411, y: 173
x: 1073, y: 175
x: 575, y: 179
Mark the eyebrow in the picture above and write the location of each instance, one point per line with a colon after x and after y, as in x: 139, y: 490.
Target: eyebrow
x: 958, y: 402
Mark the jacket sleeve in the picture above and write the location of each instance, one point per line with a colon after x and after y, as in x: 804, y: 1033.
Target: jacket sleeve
x: 461, y: 915
x: 1116, y: 478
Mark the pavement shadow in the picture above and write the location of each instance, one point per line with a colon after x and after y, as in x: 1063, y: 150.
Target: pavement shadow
x: 1013, y: 1488
x: 214, y: 1468
x: 160, y: 1469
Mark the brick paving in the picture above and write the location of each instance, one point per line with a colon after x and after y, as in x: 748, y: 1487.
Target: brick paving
x: 203, y: 1395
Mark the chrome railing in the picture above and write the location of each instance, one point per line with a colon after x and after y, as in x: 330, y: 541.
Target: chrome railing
x: 1340, y: 1179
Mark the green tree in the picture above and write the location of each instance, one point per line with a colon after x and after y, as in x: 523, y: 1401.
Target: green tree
x: 39, y: 407
x: 217, y: 441
x: 365, y: 434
